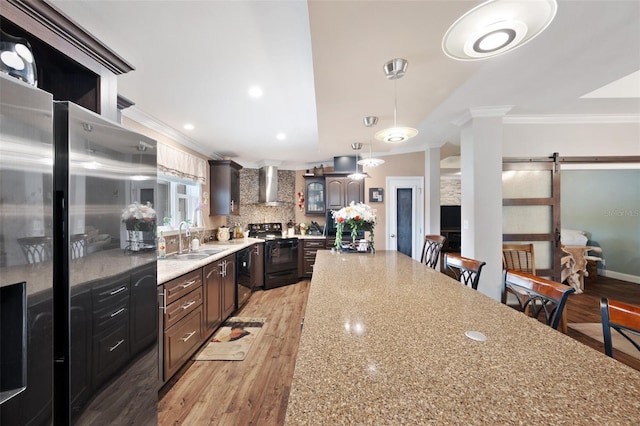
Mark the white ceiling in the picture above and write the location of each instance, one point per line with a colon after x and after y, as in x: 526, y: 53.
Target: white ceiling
x: 320, y: 66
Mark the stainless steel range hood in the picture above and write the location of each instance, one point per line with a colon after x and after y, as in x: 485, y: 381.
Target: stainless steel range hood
x: 268, y: 186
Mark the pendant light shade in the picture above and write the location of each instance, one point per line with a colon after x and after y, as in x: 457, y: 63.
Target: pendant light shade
x: 357, y: 175
x: 370, y: 162
x: 394, y: 70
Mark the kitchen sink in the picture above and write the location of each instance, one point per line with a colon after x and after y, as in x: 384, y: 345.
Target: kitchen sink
x: 191, y: 256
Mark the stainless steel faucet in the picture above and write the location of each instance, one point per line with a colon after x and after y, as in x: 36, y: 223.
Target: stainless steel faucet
x: 186, y: 234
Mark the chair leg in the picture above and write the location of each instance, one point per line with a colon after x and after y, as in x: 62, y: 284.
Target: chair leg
x: 562, y: 326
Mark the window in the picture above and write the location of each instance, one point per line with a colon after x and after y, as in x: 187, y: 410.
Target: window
x: 178, y: 200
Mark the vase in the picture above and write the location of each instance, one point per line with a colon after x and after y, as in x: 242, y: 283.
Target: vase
x: 134, y: 240
x: 16, y: 59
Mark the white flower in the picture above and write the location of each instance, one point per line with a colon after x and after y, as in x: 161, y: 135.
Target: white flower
x: 356, y: 212
x: 137, y: 211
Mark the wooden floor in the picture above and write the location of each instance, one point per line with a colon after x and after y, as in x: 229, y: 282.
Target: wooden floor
x: 255, y: 391
x: 250, y: 392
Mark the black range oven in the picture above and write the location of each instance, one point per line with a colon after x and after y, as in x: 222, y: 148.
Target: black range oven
x: 280, y: 254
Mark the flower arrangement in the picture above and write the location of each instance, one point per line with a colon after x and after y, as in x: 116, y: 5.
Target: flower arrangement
x: 301, y: 201
x: 138, y: 217
x: 303, y: 228
x: 359, y: 217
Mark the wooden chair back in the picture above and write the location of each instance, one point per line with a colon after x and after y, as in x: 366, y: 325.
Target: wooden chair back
x: 519, y: 257
x: 622, y: 317
x: 36, y: 249
x: 538, y: 295
x: 431, y: 250
x: 466, y: 270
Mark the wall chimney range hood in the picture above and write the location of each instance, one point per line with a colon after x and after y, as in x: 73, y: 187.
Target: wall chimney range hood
x: 268, y: 186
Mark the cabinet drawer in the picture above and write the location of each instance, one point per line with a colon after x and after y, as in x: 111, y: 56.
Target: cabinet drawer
x: 110, y: 352
x: 317, y: 244
x: 116, y: 312
x: 181, y: 341
x: 182, y: 307
x: 109, y: 291
x: 307, y: 266
x: 180, y: 286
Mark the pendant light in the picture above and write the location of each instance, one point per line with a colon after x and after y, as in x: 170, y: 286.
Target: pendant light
x: 394, y: 70
x: 370, y: 162
x: 357, y: 175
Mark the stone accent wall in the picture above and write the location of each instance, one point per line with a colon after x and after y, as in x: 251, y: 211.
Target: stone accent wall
x: 450, y: 192
x: 252, y: 212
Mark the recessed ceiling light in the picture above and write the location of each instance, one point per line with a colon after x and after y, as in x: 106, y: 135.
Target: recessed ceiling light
x: 497, y: 26
x: 188, y: 126
x: 281, y: 136
x: 255, y: 92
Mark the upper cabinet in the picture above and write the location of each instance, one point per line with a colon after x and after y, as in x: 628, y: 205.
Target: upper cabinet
x: 342, y: 190
x: 71, y: 64
x: 314, y: 202
x: 225, y: 187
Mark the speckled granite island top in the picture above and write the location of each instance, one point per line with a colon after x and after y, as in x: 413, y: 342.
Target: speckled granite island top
x: 384, y: 342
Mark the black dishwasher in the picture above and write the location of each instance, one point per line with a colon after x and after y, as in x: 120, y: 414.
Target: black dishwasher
x: 243, y: 277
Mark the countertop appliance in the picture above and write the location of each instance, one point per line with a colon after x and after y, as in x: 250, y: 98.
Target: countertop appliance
x: 280, y: 254
x: 83, y: 324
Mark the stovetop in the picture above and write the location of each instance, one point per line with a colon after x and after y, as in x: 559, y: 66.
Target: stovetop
x: 268, y: 231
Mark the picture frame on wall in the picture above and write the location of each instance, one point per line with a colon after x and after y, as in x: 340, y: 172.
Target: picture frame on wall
x: 375, y: 195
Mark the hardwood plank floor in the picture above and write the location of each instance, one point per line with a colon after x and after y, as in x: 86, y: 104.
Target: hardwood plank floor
x: 249, y: 392
x: 585, y: 307
x: 255, y: 391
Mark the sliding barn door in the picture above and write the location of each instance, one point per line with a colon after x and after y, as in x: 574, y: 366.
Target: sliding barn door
x: 531, y: 209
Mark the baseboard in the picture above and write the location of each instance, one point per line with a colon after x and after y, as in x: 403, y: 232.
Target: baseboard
x: 619, y: 276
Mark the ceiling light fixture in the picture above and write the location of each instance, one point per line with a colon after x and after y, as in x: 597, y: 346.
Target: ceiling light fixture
x: 188, y: 126
x: 370, y: 162
x: 281, y: 136
x: 255, y: 92
x: 497, y: 26
x: 357, y: 175
x: 393, y: 70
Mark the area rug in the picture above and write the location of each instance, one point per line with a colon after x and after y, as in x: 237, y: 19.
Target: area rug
x: 232, y: 341
x: 594, y: 330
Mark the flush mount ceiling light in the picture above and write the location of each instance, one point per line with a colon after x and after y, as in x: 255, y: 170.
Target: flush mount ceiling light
x: 496, y: 27
x: 394, y: 70
x: 370, y: 162
x: 357, y: 175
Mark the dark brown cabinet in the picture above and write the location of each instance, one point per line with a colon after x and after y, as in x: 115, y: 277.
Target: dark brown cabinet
x: 314, y: 198
x: 225, y: 187
x: 228, y: 296
x: 212, y: 291
x: 183, y: 320
x: 341, y: 191
x: 307, y: 255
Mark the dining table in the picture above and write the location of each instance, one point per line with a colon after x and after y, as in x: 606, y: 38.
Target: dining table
x: 387, y: 340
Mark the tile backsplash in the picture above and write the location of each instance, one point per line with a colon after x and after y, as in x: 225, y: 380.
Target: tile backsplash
x: 252, y: 212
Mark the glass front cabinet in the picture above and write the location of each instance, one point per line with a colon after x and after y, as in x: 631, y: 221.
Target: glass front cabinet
x: 314, y: 202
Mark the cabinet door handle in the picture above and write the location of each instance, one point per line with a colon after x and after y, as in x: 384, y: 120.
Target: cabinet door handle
x: 188, y: 336
x: 118, y: 312
x: 120, y: 290
x: 186, y: 305
x: 163, y: 308
x: 113, y: 348
x: 189, y: 284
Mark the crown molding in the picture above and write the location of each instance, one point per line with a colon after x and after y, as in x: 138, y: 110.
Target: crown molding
x: 156, y: 125
x: 573, y: 119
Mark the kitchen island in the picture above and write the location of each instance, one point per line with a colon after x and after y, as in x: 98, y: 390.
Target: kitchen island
x: 384, y: 342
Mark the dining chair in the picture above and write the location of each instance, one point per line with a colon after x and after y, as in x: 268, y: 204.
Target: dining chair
x: 517, y: 257
x: 78, y: 245
x: 464, y: 269
x: 538, y: 295
x: 622, y: 317
x: 431, y: 250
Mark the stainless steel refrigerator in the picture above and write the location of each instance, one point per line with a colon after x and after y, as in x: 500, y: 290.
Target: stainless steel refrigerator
x: 78, y: 303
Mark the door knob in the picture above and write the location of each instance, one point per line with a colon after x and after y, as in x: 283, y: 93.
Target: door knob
x: 392, y: 235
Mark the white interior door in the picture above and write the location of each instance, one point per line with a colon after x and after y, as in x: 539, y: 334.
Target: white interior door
x: 414, y: 185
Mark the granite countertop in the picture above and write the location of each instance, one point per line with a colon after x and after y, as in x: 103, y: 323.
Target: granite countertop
x: 171, y: 268
x: 384, y: 342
